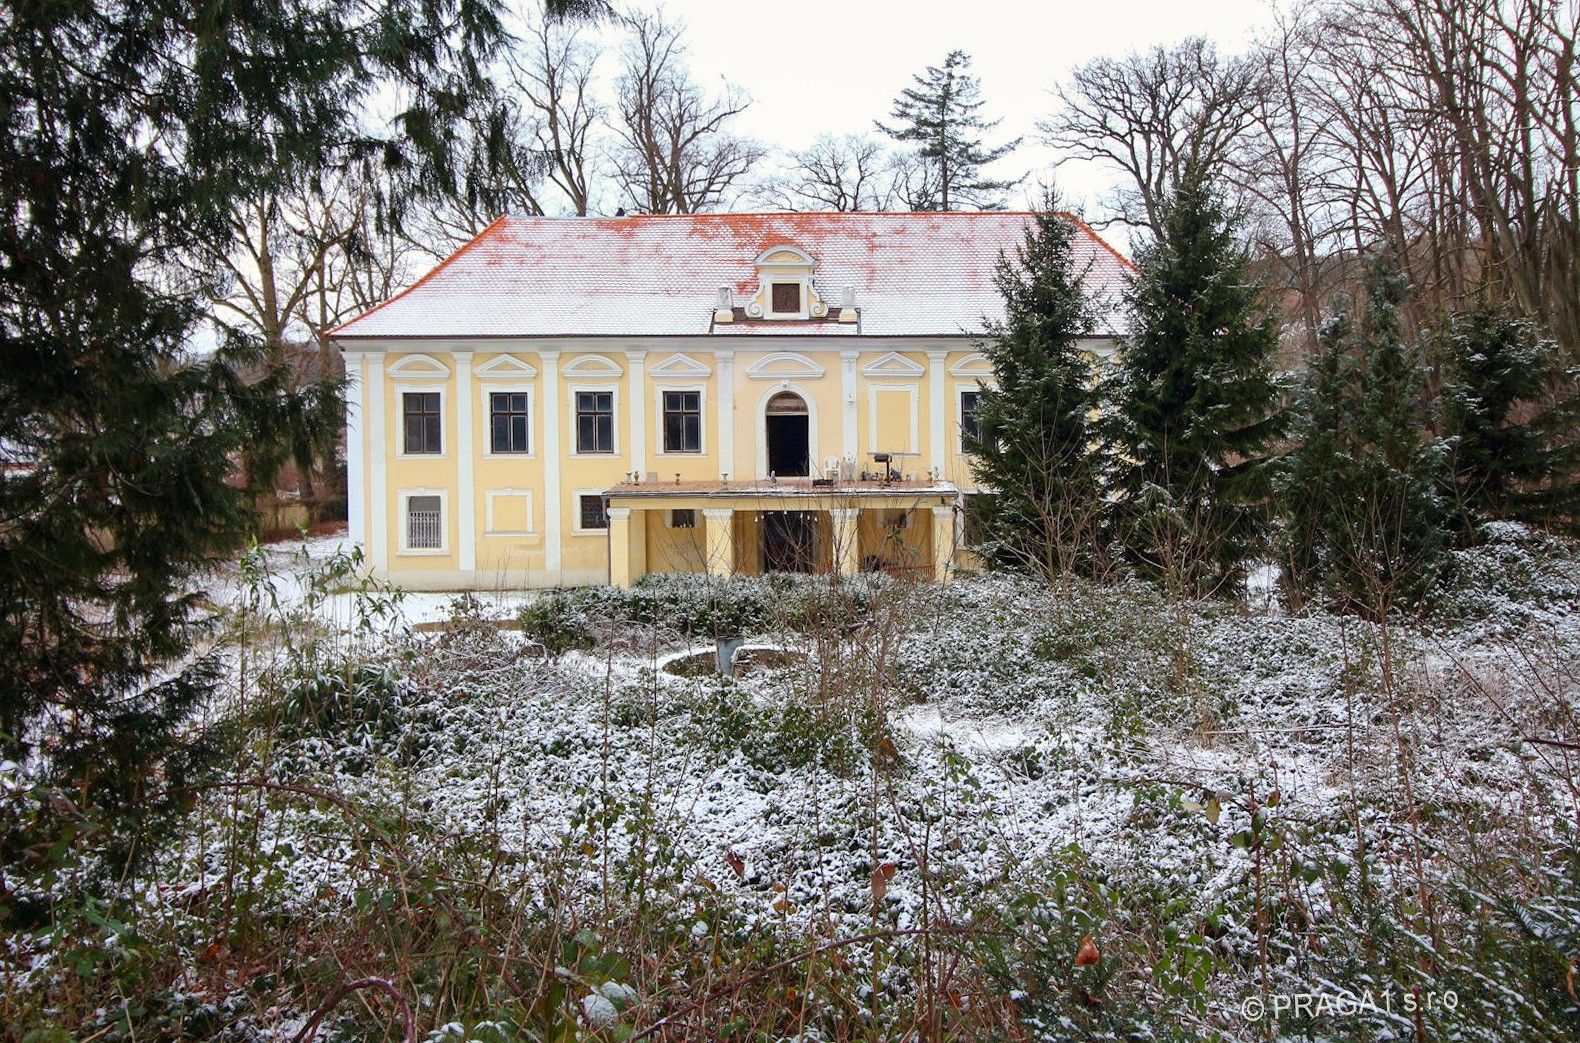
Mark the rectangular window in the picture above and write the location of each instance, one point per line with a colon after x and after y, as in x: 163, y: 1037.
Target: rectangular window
x: 683, y: 519
x: 507, y: 421
x: 968, y: 416
x: 787, y: 298
x: 423, y: 523
x: 595, y: 421
x: 421, y: 414
x: 593, y: 514
x: 682, y: 421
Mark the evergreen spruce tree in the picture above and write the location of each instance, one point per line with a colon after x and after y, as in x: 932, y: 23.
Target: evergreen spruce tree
x: 1196, y: 409
x: 1034, y: 441
x: 1510, y: 422
x: 134, y: 131
x: 940, y: 115
x: 1366, y: 522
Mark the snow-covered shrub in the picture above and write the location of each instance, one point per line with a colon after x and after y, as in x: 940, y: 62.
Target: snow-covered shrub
x: 1513, y: 576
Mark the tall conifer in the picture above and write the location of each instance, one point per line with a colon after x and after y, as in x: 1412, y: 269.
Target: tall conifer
x: 1035, y: 443
x: 1196, y: 409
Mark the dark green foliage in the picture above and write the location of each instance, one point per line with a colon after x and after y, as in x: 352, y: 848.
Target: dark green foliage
x: 940, y: 116
x: 1365, y: 521
x: 1196, y: 409
x: 1511, y: 426
x: 1035, y: 440
x: 128, y: 459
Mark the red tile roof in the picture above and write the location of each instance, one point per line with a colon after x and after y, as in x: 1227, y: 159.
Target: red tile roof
x: 914, y: 274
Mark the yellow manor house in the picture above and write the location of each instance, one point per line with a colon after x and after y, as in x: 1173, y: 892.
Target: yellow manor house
x: 570, y: 401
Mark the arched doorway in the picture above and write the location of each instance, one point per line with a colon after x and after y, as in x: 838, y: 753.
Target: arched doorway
x: 788, y: 429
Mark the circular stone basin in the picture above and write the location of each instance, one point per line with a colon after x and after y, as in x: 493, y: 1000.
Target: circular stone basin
x: 749, y: 659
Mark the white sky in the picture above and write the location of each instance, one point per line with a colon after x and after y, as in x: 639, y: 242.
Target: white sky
x: 815, y: 66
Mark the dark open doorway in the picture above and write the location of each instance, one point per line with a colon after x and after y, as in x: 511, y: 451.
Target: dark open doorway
x: 789, y: 436
x: 789, y: 540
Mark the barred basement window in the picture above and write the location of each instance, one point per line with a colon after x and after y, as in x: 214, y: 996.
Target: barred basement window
x: 682, y: 421
x: 423, y: 523
x: 593, y: 514
x: 507, y: 420
x: 683, y: 518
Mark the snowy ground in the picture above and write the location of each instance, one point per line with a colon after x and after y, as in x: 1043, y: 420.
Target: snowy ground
x: 950, y: 754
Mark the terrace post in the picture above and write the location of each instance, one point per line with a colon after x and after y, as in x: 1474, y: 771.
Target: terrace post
x: 943, y: 542
x: 720, y: 533
x: 847, y: 549
x: 627, y: 546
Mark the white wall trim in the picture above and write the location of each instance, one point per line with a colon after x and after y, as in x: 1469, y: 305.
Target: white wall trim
x: 638, y: 361
x: 847, y: 392
x: 892, y: 364
x: 378, y: 456
x: 552, y: 507
x: 937, y: 414
x: 975, y: 364
x: 504, y: 369
x: 356, y: 451
x: 591, y: 366
x: 491, y: 528
x: 419, y: 367
x: 680, y: 365
x: 726, y: 406
x: 872, y: 421
x: 783, y: 365
x: 466, y: 463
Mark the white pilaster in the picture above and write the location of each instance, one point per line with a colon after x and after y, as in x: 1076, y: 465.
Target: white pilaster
x: 638, y: 397
x: 726, y: 408
x: 938, y: 411
x: 551, y: 459
x: 356, y: 452
x: 378, y: 550
x: 847, y: 394
x: 465, y: 462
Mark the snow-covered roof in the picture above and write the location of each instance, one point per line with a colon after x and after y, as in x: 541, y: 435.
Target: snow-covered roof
x: 914, y: 274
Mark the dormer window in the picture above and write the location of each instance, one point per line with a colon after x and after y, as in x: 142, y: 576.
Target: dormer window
x: 787, y: 298
x: 785, y: 288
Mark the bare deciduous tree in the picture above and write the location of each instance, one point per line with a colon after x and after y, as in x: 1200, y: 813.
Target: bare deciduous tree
x: 846, y: 173
x: 1150, y: 113
x: 675, y: 153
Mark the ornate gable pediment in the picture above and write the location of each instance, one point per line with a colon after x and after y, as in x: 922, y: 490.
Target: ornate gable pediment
x: 592, y: 366
x: 420, y: 368
x: 784, y: 365
x: 679, y: 366
x: 975, y: 364
x: 893, y: 364
x: 506, y: 369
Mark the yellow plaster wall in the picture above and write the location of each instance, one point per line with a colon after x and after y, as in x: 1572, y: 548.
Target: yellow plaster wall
x: 419, y: 472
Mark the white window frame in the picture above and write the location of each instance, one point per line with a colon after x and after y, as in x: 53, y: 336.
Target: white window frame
x: 401, y: 391
x: 571, y: 392
x: 490, y: 529
x: 576, y: 512
x: 486, y: 411
x: 803, y: 281
x: 962, y: 390
x: 702, y: 409
x: 404, y: 499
